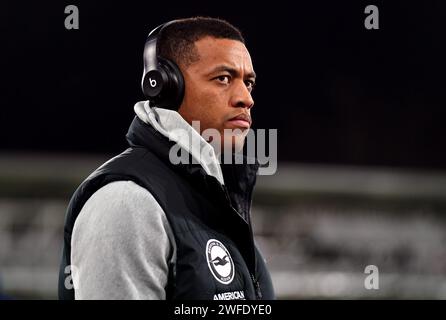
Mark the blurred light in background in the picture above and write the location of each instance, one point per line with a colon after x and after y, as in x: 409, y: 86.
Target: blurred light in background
x: 318, y: 227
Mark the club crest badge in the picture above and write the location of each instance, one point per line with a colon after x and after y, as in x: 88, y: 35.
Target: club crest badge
x: 219, y: 261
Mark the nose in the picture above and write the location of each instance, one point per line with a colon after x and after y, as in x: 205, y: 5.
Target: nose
x: 241, y: 97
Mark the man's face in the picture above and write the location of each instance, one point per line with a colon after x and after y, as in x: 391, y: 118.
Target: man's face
x: 218, y: 89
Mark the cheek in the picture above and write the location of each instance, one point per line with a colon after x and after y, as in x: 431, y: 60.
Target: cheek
x: 209, y: 108
x: 205, y: 102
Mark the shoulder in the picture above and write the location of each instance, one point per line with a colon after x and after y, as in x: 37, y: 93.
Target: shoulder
x: 121, y: 207
x: 124, y: 194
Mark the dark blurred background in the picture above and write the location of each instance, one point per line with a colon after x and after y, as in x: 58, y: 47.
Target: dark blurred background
x: 360, y: 118
x: 338, y: 93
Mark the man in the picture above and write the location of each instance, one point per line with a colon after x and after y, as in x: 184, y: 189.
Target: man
x: 144, y: 226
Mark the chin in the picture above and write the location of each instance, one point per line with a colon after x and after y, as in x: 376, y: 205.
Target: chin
x: 234, y: 145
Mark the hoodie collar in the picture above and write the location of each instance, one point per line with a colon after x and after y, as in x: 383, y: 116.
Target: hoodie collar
x: 173, y: 126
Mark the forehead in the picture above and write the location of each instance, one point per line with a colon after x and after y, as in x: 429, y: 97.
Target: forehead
x: 214, y: 51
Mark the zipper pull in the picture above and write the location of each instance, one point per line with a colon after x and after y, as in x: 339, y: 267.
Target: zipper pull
x: 256, y: 287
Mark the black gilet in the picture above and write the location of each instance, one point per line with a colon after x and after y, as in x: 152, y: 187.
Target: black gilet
x: 216, y: 255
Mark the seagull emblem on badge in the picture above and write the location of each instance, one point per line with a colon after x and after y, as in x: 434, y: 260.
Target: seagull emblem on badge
x: 220, y: 261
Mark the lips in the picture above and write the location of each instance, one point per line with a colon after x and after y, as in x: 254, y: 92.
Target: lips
x: 242, y: 120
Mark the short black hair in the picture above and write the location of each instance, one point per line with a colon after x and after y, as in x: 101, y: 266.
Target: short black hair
x: 177, y: 40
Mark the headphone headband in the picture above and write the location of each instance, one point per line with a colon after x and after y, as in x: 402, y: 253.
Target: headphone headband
x: 151, y: 47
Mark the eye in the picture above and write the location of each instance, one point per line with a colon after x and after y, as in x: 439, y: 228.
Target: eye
x: 224, y: 79
x: 250, y: 84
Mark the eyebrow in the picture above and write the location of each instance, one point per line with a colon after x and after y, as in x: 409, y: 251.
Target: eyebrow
x: 232, y: 71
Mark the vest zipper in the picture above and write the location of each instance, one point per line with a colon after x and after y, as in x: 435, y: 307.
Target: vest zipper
x: 256, y: 284
x: 256, y: 287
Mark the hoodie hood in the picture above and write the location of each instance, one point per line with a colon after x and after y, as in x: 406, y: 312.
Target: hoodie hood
x: 172, y: 125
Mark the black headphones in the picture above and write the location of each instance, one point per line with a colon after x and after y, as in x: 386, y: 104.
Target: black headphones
x: 162, y: 81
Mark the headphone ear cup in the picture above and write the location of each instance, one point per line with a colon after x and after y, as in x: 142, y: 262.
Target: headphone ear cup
x: 173, y: 92
x: 164, y: 87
